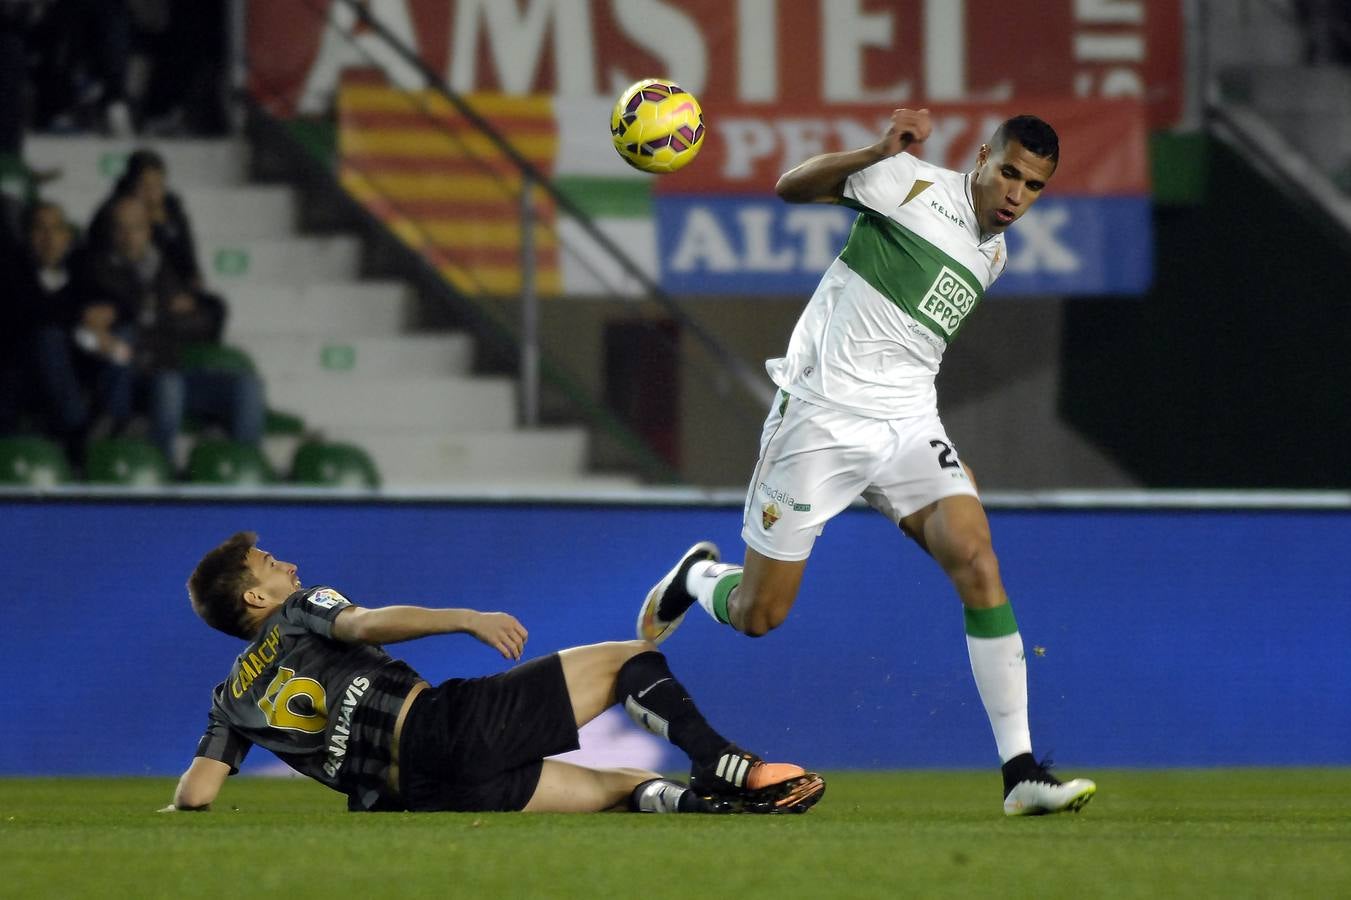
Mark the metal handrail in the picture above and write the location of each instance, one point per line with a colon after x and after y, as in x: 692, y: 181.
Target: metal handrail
x: 489, y: 326
x: 1265, y: 145
x: 755, y: 385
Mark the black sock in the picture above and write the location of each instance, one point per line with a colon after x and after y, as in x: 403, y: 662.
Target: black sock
x: 655, y: 700
x: 1022, y: 767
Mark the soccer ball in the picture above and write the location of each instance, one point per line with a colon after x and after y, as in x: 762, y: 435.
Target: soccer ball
x: 657, y: 126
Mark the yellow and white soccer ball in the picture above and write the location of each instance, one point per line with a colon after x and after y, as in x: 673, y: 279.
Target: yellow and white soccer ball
x: 657, y: 126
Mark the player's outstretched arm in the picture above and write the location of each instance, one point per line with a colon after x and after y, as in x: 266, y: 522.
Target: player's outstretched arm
x: 821, y: 178
x: 391, y: 624
x: 199, y: 786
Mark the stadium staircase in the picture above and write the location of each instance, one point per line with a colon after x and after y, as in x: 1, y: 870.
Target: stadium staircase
x: 336, y: 350
x: 1289, y: 116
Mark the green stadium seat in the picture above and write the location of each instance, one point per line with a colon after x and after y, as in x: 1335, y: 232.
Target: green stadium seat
x: 216, y: 356
x: 228, y: 462
x: 334, y: 465
x: 279, y: 422
x: 127, y: 461
x: 32, y: 462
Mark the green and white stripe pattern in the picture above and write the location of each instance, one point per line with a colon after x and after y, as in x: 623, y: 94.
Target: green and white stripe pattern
x: 913, y: 270
x: 930, y: 285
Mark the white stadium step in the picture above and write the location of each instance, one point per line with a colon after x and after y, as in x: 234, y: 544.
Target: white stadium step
x: 333, y: 349
x: 467, y: 457
x: 368, y: 308
x: 217, y: 214
x: 280, y: 451
x: 79, y: 199
x: 281, y: 356
x: 191, y: 161
x: 411, y: 404
x: 253, y: 211
x: 291, y: 260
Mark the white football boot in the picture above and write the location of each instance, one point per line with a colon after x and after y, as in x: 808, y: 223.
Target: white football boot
x: 1038, y: 798
x: 669, y: 599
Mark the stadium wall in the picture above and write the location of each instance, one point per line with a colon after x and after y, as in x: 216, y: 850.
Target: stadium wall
x: 1155, y: 637
x: 1230, y: 372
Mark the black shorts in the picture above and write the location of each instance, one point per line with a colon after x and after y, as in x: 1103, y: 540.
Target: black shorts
x: 478, y: 745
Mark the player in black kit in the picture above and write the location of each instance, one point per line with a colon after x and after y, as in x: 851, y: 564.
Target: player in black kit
x: 315, y: 688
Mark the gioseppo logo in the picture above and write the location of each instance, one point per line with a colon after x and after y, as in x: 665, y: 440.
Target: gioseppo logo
x: 949, y: 299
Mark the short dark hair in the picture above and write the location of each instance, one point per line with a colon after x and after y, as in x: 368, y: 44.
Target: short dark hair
x: 217, y: 585
x: 137, y: 163
x: 143, y: 159
x: 1038, y: 137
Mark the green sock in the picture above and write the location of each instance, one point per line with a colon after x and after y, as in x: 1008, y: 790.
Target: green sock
x: 721, y: 593
x: 990, y: 623
x: 712, y: 585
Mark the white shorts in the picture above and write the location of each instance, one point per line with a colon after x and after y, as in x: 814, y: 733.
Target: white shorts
x: 815, y: 461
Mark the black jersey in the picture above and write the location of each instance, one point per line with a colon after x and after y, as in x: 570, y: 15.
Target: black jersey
x: 324, y: 707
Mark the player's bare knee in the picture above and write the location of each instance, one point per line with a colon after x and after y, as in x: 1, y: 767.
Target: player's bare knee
x: 762, y: 618
x: 756, y: 608
x: 971, y: 559
x: 980, y: 578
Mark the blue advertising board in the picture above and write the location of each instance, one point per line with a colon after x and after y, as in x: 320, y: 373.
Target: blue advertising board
x: 753, y: 244
x: 1154, y: 637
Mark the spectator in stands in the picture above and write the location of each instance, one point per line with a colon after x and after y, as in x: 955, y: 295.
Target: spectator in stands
x: 59, y: 358
x: 83, y: 51
x: 134, y: 276
x: 146, y: 177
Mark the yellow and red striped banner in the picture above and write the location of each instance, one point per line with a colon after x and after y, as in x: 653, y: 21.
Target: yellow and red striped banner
x: 446, y: 190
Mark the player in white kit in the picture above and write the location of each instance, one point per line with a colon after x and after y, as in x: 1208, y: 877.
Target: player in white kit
x: 857, y: 412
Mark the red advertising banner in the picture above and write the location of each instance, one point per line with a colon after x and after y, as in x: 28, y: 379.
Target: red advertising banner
x: 746, y: 148
x: 787, y: 56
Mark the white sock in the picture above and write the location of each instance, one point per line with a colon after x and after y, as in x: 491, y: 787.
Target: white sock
x: 704, y: 580
x: 657, y: 796
x: 1001, y: 679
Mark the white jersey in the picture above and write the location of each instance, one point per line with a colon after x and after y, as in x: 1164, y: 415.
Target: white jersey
x: 873, y: 334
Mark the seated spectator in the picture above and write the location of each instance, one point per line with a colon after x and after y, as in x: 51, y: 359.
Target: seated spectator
x: 79, y: 382
x: 132, y: 284
x: 146, y: 178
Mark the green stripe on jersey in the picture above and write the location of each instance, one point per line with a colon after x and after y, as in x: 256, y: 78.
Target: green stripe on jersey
x: 927, y: 283
x: 990, y: 623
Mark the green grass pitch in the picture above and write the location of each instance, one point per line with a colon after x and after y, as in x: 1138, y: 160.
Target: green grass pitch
x: 1174, y: 833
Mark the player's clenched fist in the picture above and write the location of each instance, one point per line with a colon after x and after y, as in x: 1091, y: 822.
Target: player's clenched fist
x: 908, y: 126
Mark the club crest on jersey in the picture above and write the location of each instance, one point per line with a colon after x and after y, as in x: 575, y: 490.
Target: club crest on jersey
x: 948, y: 301
x: 769, y: 514
x: 327, y: 598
